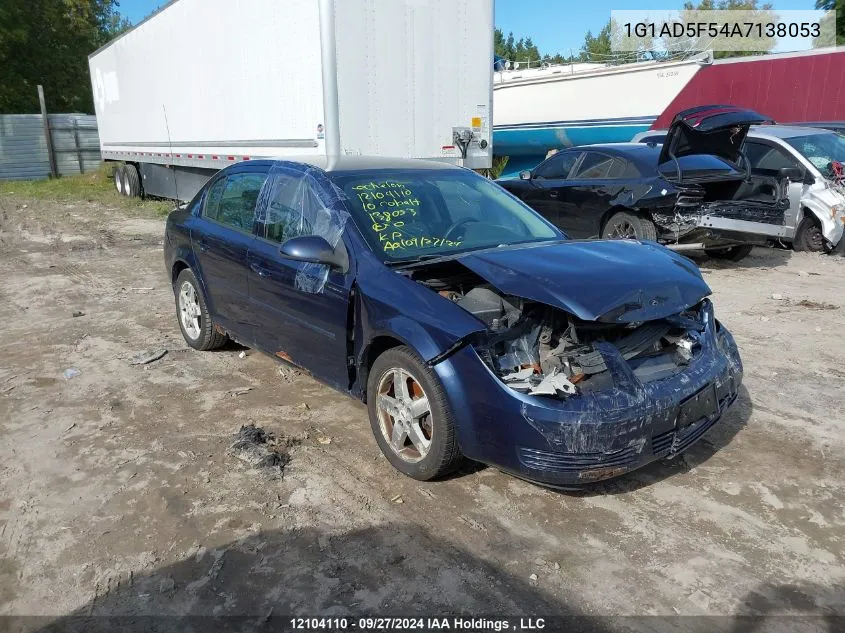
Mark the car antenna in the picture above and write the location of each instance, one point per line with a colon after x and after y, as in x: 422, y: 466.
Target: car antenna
x: 170, y: 145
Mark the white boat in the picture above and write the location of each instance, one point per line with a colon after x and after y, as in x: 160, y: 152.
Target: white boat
x: 540, y: 109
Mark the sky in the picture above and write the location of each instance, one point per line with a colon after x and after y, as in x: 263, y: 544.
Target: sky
x: 556, y: 26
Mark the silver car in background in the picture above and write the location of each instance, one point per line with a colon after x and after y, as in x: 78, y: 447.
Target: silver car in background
x: 816, y: 217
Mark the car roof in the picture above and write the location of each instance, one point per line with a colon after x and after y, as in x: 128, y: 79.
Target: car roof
x: 640, y: 153
x: 356, y: 163
x: 785, y: 131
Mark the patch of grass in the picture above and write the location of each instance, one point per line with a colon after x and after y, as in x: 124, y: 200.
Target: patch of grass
x: 96, y: 186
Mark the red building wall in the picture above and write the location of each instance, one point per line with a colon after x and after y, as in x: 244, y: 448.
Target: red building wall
x: 800, y: 87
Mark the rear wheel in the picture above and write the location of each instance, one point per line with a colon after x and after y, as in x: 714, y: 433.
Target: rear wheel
x: 809, y: 236
x: 131, y: 181
x: 118, y: 176
x: 734, y: 253
x: 627, y: 225
x: 192, y: 312
x: 410, y: 416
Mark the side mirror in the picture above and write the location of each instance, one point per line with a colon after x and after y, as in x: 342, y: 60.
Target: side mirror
x: 525, y: 175
x: 793, y: 173
x: 808, y: 178
x: 316, y: 250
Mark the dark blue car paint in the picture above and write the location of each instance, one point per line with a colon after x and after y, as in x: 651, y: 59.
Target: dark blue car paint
x: 592, y: 437
x: 557, y: 442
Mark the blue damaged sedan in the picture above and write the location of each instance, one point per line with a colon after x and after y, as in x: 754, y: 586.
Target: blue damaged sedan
x: 470, y: 326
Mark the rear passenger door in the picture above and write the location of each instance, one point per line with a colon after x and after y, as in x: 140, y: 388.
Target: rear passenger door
x: 221, y: 238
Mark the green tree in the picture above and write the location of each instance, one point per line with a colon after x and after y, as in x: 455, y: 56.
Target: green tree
x: 839, y: 7
x: 522, y: 50
x: 48, y: 42
x: 597, y: 47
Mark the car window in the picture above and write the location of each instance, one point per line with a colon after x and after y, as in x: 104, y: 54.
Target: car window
x: 557, y: 167
x: 284, y: 217
x: 231, y: 200
x: 623, y: 169
x: 212, y: 199
x: 594, y: 166
x: 763, y: 156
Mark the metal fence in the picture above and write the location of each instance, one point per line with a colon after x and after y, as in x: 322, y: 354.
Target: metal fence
x: 24, y: 151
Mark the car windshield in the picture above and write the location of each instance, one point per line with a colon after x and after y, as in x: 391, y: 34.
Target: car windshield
x: 406, y: 214
x: 820, y: 149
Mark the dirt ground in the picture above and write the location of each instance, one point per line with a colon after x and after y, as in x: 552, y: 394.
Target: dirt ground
x: 119, y: 494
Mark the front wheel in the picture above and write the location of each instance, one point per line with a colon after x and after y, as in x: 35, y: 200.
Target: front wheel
x: 734, y: 253
x: 627, y: 225
x: 410, y: 417
x: 809, y: 236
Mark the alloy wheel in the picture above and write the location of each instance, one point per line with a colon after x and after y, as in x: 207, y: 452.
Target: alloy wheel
x: 189, y: 310
x: 623, y: 230
x: 404, y: 415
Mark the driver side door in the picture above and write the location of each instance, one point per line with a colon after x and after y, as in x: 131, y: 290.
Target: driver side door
x: 549, y: 187
x: 301, y: 310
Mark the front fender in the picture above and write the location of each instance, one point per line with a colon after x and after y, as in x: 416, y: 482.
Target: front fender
x: 820, y: 205
x: 411, y: 334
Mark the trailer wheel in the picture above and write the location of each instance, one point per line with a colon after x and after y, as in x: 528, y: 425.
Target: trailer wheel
x: 118, y: 178
x: 131, y: 181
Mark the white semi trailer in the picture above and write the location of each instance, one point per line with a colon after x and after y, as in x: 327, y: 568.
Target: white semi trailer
x: 202, y: 84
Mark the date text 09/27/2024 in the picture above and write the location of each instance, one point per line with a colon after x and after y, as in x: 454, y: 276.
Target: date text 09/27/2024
x: 467, y: 625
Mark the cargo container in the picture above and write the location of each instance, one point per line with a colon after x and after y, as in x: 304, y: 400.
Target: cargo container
x: 202, y: 84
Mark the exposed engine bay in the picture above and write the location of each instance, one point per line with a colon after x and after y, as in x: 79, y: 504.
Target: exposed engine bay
x: 540, y: 350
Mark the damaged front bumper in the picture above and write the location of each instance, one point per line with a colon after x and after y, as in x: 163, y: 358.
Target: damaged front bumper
x: 594, y: 435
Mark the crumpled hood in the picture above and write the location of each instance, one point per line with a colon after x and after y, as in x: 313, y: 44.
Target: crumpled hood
x: 618, y: 281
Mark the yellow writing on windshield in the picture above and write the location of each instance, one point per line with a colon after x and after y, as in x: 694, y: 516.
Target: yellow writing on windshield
x: 392, y: 208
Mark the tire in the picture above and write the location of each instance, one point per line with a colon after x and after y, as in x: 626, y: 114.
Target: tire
x: 436, y: 424
x: 734, y: 253
x: 809, y: 236
x: 627, y: 225
x: 118, y: 176
x: 195, y: 322
x: 131, y: 181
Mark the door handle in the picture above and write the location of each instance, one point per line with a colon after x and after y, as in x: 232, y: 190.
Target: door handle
x: 553, y: 193
x: 203, y: 246
x: 259, y: 270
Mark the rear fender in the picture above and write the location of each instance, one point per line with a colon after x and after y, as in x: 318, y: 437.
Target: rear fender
x: 184, y: 254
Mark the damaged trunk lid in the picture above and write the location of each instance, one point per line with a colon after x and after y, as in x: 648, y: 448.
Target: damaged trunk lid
x: 718, y: 130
